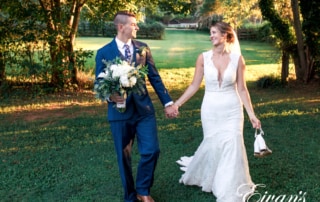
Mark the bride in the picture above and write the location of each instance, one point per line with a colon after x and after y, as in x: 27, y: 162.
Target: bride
x: 220, y: 164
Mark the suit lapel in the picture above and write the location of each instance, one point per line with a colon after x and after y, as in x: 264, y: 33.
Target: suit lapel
x: 117, y: 52
x: 135, y: 53
x: 137, y: 57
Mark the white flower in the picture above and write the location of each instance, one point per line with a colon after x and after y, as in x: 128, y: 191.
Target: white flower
x: 133, y: 80
x: 128, y: 82
x: 120, y: 69
x: 116, y: 71
x: 103, y: 75
x: 124, y: 81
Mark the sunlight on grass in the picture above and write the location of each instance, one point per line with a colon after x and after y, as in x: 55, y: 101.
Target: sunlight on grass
x: 179, y: 49
x: 155, y: 47
x: 49, y: 105
x: 285, y: 113
x: 170, y: 127
x: 279, y: 101
x: 91, y: 43
x: 13, y: 149
x: 292, y: 112
x: 312, y: 101
x: 297, y: 101
x: 21, y: 132
x: 182, y: 77
x: 253, y: 72
x: 177, y: 78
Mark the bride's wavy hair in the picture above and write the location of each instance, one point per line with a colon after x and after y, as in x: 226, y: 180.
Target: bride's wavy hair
x: 225, y: 28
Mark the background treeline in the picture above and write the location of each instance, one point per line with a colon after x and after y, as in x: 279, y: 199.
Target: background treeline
x: 156, y: 30
x: 152, y: 30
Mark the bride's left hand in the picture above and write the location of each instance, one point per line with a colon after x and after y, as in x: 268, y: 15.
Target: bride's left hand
x: 255, y: 122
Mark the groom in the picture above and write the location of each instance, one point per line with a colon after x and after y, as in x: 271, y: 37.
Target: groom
x: 139, y: 118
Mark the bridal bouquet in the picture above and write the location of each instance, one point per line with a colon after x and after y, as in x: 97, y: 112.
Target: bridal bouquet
x: 120, y: 77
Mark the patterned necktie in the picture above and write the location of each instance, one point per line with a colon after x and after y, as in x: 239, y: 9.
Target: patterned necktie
x: 127, y: 53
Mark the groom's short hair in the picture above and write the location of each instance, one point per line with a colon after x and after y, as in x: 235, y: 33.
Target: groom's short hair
x: 120, y: 17
x: 127, y: 13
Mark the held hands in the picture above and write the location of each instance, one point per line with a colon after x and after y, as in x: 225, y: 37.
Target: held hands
x: 171, y: 111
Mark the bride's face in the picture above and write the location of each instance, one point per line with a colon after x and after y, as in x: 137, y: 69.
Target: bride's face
x: 216, y: 36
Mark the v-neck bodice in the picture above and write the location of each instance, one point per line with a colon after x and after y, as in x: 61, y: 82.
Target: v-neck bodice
x: 227, y: 77
x: 220, y: 71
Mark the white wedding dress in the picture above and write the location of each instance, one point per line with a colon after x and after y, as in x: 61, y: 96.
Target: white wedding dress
x: 220, y: 163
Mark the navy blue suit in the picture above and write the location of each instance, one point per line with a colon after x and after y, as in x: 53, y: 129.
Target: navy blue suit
x: 138, y: 120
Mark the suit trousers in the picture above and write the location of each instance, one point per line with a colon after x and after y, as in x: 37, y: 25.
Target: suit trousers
x: 124, y: 133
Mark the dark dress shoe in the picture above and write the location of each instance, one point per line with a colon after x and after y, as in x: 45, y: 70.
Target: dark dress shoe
x: 145, y: 198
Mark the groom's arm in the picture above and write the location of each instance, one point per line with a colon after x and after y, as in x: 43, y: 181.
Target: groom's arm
x: 159, y: 87
x: 156, y: 81
x: 99, y: 64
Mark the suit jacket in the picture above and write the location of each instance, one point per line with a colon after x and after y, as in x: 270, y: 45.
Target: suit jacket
x: 135, y: 103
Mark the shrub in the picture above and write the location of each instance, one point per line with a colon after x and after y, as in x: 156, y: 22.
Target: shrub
x: 153, y: 30
x: 265, y: 33
x: 110, y: 30
x: 269, y: 81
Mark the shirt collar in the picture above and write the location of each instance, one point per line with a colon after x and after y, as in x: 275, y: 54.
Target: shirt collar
x: 120, y: 44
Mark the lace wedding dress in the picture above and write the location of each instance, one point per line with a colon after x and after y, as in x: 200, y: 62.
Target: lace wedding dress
x: 220, y: 163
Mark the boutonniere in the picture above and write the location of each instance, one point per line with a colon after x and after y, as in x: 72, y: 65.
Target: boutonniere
x: 142, y: 51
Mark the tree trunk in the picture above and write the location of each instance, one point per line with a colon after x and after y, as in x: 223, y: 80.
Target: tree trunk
x: 285, y: 66
x: 310, y: 62
x: 310, y: 26
x: 56, y: 73
x: 303, y: 73
x: 73, y: 24
x: 51, y: 15
x: 2, y: 69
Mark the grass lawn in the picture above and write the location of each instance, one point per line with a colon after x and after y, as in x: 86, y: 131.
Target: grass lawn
x: 180, y: 49
x: 58, y: 147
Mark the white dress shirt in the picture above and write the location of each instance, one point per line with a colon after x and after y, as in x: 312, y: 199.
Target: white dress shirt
x: 121, y: 48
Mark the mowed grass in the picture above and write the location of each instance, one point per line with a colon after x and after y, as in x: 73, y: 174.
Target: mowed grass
x: 59, y: 147
x: 180, y: 49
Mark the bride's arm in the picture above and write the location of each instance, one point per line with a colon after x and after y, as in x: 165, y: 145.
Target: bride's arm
x: 195, y: 84
x: 244, y: 93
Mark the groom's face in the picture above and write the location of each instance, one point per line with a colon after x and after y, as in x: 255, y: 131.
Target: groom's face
x: 130, y: 28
